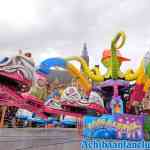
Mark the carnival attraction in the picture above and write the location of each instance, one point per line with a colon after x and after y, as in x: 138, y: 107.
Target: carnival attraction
x: 111, y: 105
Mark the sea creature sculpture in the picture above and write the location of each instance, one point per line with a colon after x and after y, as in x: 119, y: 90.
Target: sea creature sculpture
x: 112, y: 60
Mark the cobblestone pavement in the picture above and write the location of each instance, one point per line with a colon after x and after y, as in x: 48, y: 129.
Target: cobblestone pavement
x: 39, y: 139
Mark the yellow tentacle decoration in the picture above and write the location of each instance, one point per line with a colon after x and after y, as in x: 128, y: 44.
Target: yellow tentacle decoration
x: 86, y: 85
x: 93, y: 75
x: 137, y: 75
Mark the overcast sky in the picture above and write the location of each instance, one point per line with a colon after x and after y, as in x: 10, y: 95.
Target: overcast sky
x: 50, y: 28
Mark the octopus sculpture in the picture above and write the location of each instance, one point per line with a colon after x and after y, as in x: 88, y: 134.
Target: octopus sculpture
x: 113, y: 60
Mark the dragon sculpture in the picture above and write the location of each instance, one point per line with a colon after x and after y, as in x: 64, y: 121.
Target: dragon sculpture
x: 16, y: 77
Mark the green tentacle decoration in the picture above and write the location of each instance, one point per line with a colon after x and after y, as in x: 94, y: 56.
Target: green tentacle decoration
x: 115, y: 66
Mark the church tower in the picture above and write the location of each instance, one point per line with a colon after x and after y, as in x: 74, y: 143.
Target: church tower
x: 84, y: 54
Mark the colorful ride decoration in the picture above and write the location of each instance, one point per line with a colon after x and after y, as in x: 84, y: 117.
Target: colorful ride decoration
x: 142, y: 80
x: 71, y: 99
x: 71, y: 94
x: 47, y: 64
x: 39, y: 87
x: 124, y: 127
x: 18, y: 76
x: 95, y: 98
x: 20, y: 69
x: 113, y: 88
x: 117, y: 105
x: 118, y: 80
x: 54, y: 100
x: 112, y: 60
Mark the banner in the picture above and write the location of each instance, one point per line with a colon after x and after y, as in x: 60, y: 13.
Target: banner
x: 119, y: 126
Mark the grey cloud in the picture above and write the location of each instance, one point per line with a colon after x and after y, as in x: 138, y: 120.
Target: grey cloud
x: 64, y: 25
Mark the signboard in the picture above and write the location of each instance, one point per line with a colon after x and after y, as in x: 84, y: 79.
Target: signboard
x: 117, y: 126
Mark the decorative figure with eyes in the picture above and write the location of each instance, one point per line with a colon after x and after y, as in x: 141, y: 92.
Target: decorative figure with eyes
x: 39, y: 88
x: 117, y: 106
x: 54, y: 100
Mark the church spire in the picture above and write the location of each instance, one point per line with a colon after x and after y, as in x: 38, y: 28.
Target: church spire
x: 84, y: 53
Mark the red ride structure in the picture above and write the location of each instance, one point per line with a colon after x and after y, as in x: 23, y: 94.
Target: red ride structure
x: 16, y: 77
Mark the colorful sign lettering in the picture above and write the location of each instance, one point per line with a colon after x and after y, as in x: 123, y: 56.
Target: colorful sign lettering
x: 117, y: 126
